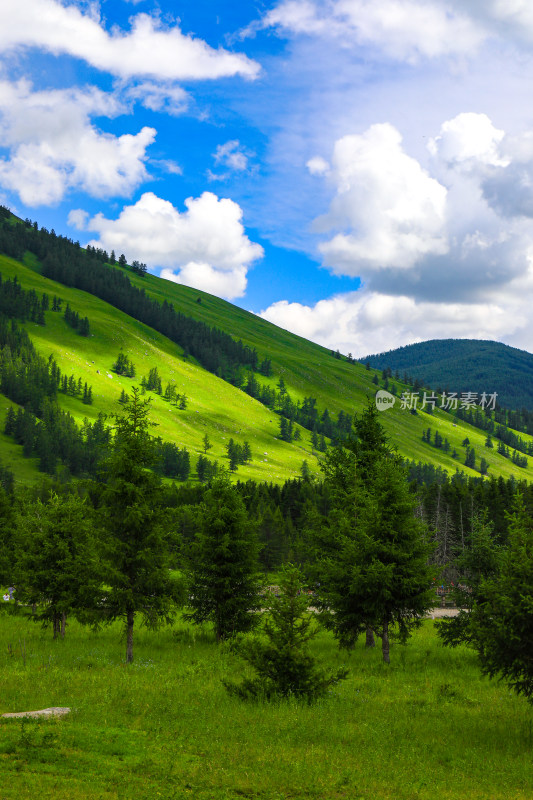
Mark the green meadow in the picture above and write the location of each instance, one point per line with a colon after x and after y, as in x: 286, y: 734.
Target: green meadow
x: 427, y: 726
x: 215, y: 407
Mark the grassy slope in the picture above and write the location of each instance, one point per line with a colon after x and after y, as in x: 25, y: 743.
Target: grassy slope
x: 309, y: 370
x: 215, y: 407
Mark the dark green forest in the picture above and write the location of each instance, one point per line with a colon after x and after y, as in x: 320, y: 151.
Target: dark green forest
x: 464, y: 365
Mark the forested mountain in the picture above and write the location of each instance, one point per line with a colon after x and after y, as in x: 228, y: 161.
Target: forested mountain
x: 465, y: 365
x: 80, y: 328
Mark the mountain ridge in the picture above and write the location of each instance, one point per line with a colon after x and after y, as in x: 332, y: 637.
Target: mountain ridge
x: 464, y: 365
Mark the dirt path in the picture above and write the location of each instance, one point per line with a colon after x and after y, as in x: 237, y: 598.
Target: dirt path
x: 437, y: 613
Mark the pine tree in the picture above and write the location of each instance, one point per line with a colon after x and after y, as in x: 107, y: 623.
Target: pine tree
x: 137, y: 543
x: 501, y: 619
x: 57, y: 568
x: 285, y: 432
x: 373, y: 560
x: 371, y: 552
x: 223, y: 570
x: 206, y: 444
x: 480, y: 560
x: 10, y: 423
x: 283, y: 664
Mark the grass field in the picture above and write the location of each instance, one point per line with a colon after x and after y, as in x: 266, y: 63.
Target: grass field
x: 428, y: 726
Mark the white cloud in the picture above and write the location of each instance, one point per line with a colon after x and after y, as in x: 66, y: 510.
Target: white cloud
x: 78, y: 218
x: 402, y: 29
x: 469, y: 140
x: 370, y: 322
x: 148, y: 49
x: 53, y: 146
x: 166, y: 98
x: 394, y: 210
x: 318, y: 166
x: 206, y: 244
x: 500, y: 165
x: 453, y: 262
x: 227, y: 284
x: 233, y: 155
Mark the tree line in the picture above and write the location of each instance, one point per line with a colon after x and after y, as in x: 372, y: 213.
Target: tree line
x: 115, y: 549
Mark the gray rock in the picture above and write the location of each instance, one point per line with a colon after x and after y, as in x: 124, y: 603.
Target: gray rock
x: 55, y: 711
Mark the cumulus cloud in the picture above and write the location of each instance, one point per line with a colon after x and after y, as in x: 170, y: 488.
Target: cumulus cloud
x: 452, y: 257
x: 404, y: 231
x: 370, y: 322
x: 402, y: 29
x: 227, y: 284
x: 469, y: 141
x: 147, y: 49
x: 53, y: 147
x: 204, y: 246
x: 394, y: 210
x: 500, y: 165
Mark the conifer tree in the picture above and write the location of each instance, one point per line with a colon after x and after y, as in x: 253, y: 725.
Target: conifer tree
x: 283, y: 664
x: 373, y: 561
x: 480, y: 560
x: 137, y: 543
x: 502, y: 618
x: 56, y: 565
x: 372, y: 552
x: 223, y: 570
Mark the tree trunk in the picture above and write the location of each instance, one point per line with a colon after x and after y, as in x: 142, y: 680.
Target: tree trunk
x: 56, y: 625
x: 129, y: 637
x: 385, y: 641
x: 370, y: 641
x: 63, y: 623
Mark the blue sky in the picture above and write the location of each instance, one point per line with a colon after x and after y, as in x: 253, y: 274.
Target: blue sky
x: 357, y: 171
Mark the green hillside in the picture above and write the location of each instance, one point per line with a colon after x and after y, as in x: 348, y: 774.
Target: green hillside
x: 215, y: 407
x: 466, y: 365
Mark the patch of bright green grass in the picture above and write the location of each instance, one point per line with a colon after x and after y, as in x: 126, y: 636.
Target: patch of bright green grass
x: 215, y: 407
x: 427, y: 726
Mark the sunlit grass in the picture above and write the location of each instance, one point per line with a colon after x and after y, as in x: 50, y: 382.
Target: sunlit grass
x: 426, y: 726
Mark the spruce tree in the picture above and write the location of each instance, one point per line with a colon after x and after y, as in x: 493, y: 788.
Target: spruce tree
x: 283, y: 664
x: 223, y: 569
x: 480, y: 560
x: 137, y: 542
x: 56, y: 565
x: 373, y: 561
x: 501, y: 623
x: 371, y: 552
